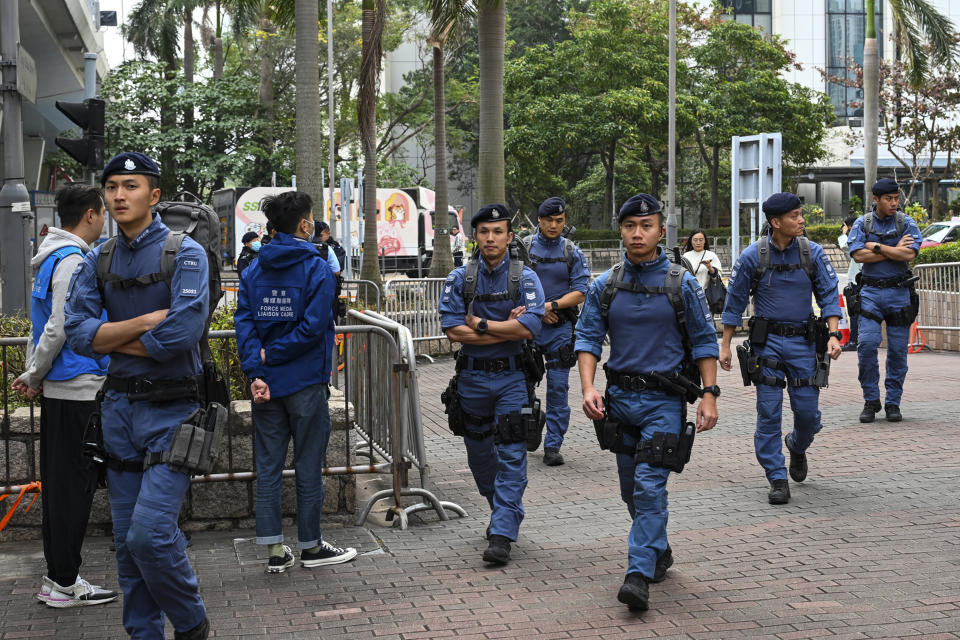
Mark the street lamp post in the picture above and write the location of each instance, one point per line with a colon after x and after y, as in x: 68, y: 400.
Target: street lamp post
x: 672, y: 133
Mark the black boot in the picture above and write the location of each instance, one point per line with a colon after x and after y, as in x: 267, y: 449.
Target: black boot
x: 199, y: 632
x: 779, y: 492
x: 869, y: 410
x: 552, y: 457
x: 664, y: 562
x: 893, y: 413
x: 798, y: 464
x: 635, y: 592
x: 499, y: 550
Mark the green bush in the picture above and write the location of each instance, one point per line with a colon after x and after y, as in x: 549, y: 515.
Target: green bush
x: 225, y: 353
x: 14, y: 358
x: 824, y: 233
x: 949, y: 252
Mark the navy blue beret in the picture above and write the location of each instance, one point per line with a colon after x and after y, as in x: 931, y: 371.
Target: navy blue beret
x: 780, y: 203
x: 641, y: 204
x: 248, y: 236
x: 553, y: 206
x: 883, y: 186
x: 130, y: 162
x: 490, y: 213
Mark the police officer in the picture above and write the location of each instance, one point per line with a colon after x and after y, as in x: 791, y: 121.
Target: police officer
x: 784, y: 335
x: 564, y: 275
x: 493, y: 389
x: 640, y: 304
x: 884, y: 241
x: 251, y: 248
x: 152, y: 334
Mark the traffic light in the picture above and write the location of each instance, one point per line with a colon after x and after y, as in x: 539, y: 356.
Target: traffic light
x: 89, y: 116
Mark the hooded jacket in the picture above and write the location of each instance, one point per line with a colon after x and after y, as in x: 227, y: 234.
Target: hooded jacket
x: 50, y: 361
x: 285, y: 307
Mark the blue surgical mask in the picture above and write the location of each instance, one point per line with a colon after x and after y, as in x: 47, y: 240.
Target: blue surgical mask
x: 255, y: 245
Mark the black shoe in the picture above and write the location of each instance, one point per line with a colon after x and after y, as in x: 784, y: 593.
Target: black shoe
x: 499, y: 550
x: 326, y: 554
x: 869, y: 410
x: 850, y: 346
x: 664, y: 562
x: 486, y: 536
x: 199, y: 632
x: 279, y: 564
x: 635, y: 592
x: 552, y: 457
x: 779, y: 492
x: 798, y: 464
x: 893, y: 413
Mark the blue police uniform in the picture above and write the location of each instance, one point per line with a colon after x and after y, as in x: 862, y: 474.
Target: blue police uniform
x: 784, y: 297
x: 881, y: 302
x: 645, y: 337
x: 153, y: 569
x: 557, y: 279
x: 499, y: 470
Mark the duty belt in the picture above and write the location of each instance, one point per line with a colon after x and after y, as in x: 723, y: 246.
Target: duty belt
x: 489, y: 365
x: 190, y: 387
x: 884, y: 283
x: 636, y: 381
x: 788, y: 331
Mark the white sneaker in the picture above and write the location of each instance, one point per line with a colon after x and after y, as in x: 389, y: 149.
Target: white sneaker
x: 80, y: 594
x: 47, y: 585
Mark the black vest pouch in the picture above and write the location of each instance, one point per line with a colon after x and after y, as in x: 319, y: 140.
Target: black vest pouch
x: 450, y: 399
x: 759, y: 328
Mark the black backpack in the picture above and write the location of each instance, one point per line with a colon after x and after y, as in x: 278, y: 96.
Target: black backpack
x: 200, y: 223
x: 763, y: 261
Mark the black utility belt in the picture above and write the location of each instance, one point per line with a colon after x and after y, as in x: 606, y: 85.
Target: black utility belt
x: 884, y: 283
x: 489, y: 365
x: 156, y: 390
x: 788, y: 331
x: 639, y: 381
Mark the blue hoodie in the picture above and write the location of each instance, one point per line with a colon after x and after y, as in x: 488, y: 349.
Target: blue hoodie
x: 285, y: 307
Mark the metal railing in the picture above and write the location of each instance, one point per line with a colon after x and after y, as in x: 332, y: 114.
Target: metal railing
x: 413, y: 304
x: 939, y: 291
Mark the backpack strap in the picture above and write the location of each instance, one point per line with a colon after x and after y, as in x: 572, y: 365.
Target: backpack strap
x: 806, y: 258
x: 763, y: 263
x: 470, y: 280
x: 673, y: 288
x: 868, y: 224
x: 568, y: 254
x: 901, y: 222
x: 168, y: 264
x: 514, y: 275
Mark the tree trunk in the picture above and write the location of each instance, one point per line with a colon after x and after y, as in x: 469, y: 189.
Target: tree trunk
x: 373, y: 14
x: 715, y: 188
x: 189, y: 56
x: 442, y: 261
x: 168, y: 122
x: 217, y: 45
x: 871, y: 99
x: 491, y: 24
x: 610, y: 165
x: 309, y: 134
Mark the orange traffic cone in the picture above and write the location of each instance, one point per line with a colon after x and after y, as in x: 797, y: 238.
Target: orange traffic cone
x: 844, y: 324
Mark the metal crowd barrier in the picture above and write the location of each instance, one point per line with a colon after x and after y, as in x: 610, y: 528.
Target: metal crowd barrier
x: 412, y: 302
x: 362, y: 292
x: 939, y: 291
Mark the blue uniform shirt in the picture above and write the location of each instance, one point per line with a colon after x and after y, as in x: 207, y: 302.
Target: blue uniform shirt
x: 453, y: 312
x: 556, y: 278
x: 174, y: 344
x: 643, y: 330
x: 782, y: 296
x: 887, y: 268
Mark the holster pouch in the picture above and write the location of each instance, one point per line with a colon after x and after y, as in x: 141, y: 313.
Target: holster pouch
x: 851, y: 294
x: 668, y: 450
x: 531, y: 360
x: 610, y: 436
x: 196, y: 442
x: 744, y: 354
x: 568, y: 357
x: 759, y: 328
x: 215, y: 387
x: 510, y: 428
x: 451, y: 403
x: 94, y: 451
x: 821, y: 377
x: 534, y: 421
x: 569, y: 314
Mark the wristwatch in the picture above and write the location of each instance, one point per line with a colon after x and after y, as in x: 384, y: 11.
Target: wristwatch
x: 714, y: 389
x: 836, y: 334
x: 482, y: 325
x: 876, y: 248
x: 554, y: 306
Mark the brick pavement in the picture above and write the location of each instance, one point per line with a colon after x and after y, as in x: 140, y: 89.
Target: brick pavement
x: 866, y: 549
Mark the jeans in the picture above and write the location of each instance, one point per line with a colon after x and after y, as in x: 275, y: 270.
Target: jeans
x: 304, y: 416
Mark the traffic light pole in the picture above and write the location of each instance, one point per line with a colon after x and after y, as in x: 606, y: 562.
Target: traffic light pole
x: 90, y: 91
x: 16, y: 214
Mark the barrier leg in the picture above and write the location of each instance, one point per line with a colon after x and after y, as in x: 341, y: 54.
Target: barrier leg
x: 403, y: 513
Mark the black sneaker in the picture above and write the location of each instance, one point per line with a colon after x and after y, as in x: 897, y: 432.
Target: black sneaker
x: 893, y: 413
x: 779, y: 492
x: 552, y: 457
x: 850, y: 346
x: 635, y: 592
x: 486, y: 536
x: 870, y: 409
x: 798, y: 464
x: 499, y: 550
x: 326, y: 554
x: 279, y: 564
x: 199, y: 632
x: 664, y: 562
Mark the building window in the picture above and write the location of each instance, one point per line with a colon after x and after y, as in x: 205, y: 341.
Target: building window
x: 756, y: 13
x: 846, y: 31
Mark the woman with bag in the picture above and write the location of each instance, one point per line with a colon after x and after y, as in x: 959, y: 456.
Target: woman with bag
x: 706, y: 267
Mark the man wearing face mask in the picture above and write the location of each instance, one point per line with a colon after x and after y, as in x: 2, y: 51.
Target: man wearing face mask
x: 251, y: 247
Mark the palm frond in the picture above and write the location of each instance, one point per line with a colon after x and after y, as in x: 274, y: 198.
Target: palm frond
x: 926, y: 37
x: 448, y: 17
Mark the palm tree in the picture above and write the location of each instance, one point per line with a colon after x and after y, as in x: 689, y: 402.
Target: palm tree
x: 447, y: 17
x: 491, y: 26
x: 918, y: 26
x: 374, y: 15
x: 308, y: 126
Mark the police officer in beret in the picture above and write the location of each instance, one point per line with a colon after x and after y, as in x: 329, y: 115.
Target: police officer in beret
x: 651, y: 340
x: 564, y: 275
x: 251, y: 247
x: 152, y: 335
x: 781, y: 271
x: 492, y: 387
x: 884, y: 241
